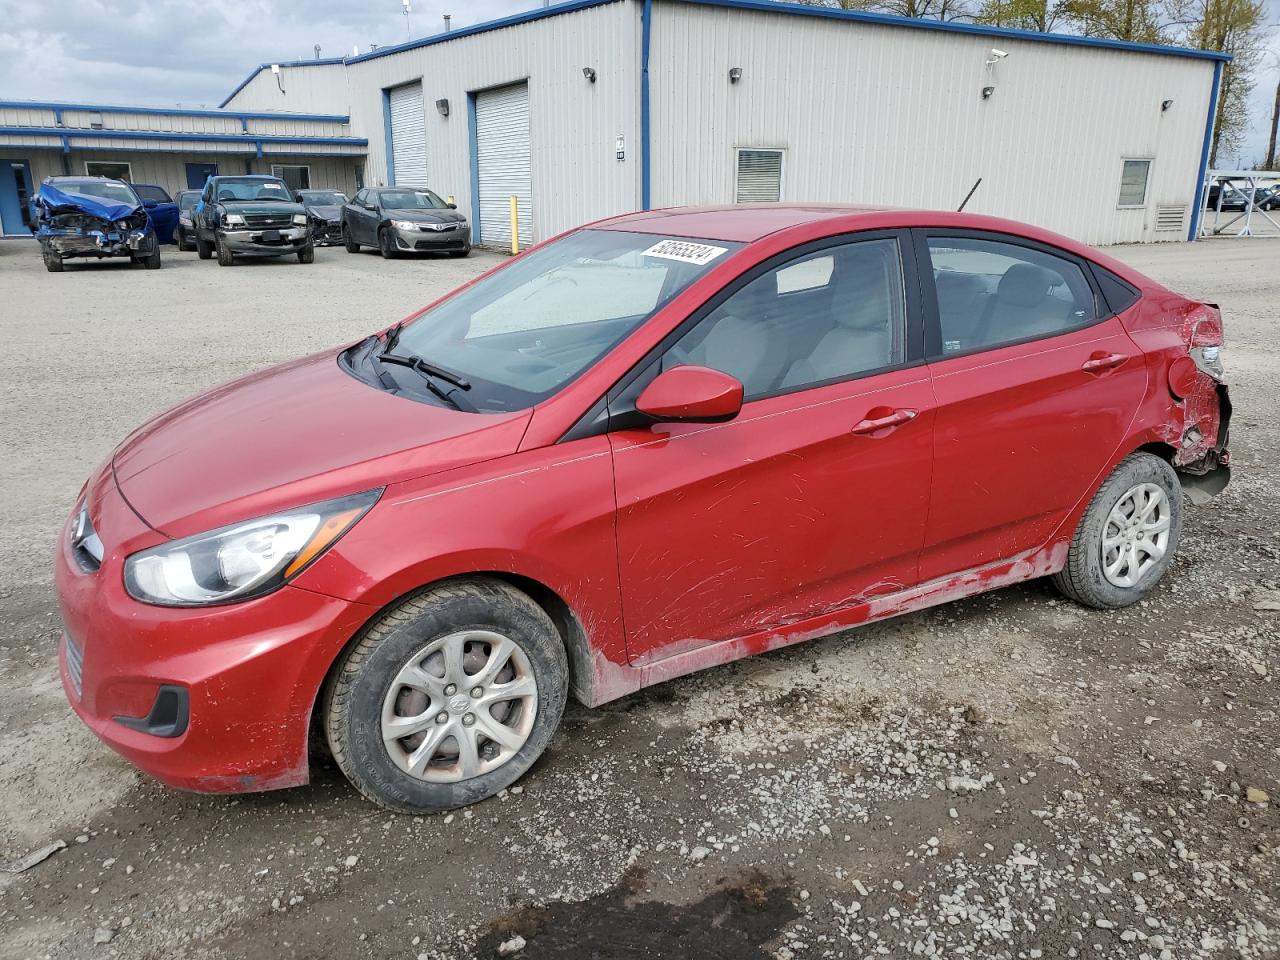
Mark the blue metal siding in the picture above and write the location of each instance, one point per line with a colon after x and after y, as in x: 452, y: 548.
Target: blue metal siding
x: 473, y: 147
x: 57, y: 108
x: 250, y: 141
x: 386, y: 132
x: 646, y: 27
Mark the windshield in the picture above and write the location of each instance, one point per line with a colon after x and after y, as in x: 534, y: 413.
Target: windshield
x: 522, y: 333
x: 322, y: 198
x: 151, y: 193
x: 410, y: 200
x: 102, y: 189
x: 234, y: 188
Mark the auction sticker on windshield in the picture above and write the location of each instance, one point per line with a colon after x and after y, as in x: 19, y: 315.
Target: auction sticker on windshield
x: 684, y: 251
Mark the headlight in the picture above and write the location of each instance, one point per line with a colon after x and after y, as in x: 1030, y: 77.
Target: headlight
x: 404, y: 224
x: 243, y: 560
x: 300, y: 219
x: 233, y: 220
x: 185, y: 221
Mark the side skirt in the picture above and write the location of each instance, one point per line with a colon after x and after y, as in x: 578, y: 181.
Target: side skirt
x: 612, y: 680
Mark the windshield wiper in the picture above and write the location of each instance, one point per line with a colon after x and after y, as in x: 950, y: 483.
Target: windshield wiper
x: 393, y: 338
x: 429, y: 376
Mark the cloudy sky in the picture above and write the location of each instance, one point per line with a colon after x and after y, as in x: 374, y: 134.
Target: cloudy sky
x: 162, y: 52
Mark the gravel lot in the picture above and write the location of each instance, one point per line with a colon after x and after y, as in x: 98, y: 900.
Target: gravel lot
x: 1010, y: 776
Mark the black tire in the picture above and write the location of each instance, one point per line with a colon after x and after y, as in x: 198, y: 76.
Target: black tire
x: 350, y: 244
x: 1083, y: 579
x: 152, y: 260
x: 460, y: 253
x: 183, y: 241
x: 360, y: 681
x: 307, y: 254
x: 225, y: 257
x: 204, y: 250
x: 386, y: 246
x: 52, y: 262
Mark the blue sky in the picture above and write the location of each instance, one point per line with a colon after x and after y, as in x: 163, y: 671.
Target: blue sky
x: 162, y: 52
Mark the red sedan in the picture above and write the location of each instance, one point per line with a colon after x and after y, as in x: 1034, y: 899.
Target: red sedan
x: 661, y: 442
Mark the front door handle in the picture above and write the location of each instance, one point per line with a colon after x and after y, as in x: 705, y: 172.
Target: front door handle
x: 883, y: 421
x: 1099, y: 361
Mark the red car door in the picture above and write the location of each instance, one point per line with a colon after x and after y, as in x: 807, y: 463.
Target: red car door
x: 1036, y: 387
x: 815, y: 495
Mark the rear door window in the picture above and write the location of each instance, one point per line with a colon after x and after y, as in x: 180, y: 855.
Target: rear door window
x: 992, y: 293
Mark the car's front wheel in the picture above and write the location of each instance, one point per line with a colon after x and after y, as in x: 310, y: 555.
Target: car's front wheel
x: 307, y: 254
x: 52, y: 262
x: 386, y: 244
x: 447, y: 698
x: 1128, y: 536
x: 225, y: 257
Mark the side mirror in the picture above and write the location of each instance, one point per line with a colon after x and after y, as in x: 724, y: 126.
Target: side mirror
x: 691, y: 394
x: 150, y: 204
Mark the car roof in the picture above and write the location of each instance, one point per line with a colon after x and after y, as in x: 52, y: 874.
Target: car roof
x: 748, y: 223
x: 84, y: 180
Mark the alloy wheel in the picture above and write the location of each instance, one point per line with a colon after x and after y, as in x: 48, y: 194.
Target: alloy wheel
x: 461, y: 707
x: 1136, y: 534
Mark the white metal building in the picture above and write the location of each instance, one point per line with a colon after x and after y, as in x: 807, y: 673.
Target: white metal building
x: 595, y: 107
x: 172, y: 148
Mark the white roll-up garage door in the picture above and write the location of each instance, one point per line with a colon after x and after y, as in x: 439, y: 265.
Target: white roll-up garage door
x: 502, y: 162
x: 408, y: 136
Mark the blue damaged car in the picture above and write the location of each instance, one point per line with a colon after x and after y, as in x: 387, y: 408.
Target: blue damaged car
x: 93, y: 217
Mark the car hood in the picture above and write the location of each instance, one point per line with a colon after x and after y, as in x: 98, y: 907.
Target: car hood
x: 56, y: 201
x: 427, y: 216
x: 289, y: 435
x: 325, y: 211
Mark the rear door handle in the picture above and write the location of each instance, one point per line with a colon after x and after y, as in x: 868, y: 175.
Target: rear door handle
x: 1100, y: 361
x: 883, y: 422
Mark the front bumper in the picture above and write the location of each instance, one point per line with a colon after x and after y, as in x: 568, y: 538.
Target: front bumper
x: 426, y: 240
x: 326, y: 233
x: 266, y: 243
x: 100, y: 243
x: 217, y: 699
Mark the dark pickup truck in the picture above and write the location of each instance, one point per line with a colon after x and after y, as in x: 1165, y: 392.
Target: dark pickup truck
x: 250, y: 216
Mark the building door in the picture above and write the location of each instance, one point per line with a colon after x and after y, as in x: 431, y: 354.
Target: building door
x: 502, y: 164
x: 198, y: 173
x: 408, y: 125
x: 15, y: 197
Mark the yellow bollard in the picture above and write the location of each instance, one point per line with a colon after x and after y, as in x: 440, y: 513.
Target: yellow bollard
x: 515, y: 227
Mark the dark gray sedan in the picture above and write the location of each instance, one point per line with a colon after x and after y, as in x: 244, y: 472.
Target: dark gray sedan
x: 400, y: 220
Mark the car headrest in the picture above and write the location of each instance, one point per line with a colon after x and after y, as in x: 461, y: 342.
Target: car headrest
x: 226, y: 195
x: 861, y: 298
x: 957, y: 290
x: 1023, y: 285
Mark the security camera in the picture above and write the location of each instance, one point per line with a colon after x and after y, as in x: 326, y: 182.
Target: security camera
x: 998, y: 54
x: 275, y: 68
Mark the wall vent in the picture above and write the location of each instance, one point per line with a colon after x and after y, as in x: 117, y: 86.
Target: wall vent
x: 1171, y: 216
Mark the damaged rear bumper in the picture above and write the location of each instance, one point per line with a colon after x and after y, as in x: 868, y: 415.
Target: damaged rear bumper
x: 1208, y: 475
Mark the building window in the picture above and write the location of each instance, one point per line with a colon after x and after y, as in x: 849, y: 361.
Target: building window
x: 759, y: 176
x: 1133, y: 183
x: 112, y: 169
x: 296, y: 177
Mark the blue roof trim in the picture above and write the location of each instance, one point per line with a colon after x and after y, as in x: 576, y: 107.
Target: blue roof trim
x: 952, y: 26
x: 326, y: 62
x: 1197, y: 211
x: 540, y: 13
x: 246, y: 139
x: 172, y: 111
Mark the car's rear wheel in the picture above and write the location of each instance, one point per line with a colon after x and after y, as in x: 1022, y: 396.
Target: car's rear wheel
x: 1128, y: 536
x: 447, y: 698
x: 204, y: 250
x: 225, y: 257
x: 386, y: 245
x: 348, y: 242
x: 52, y: 262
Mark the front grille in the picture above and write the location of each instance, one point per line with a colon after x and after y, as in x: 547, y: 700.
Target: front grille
x: 75, y: 662
x: 264, y: 220
x: 441, y: 244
